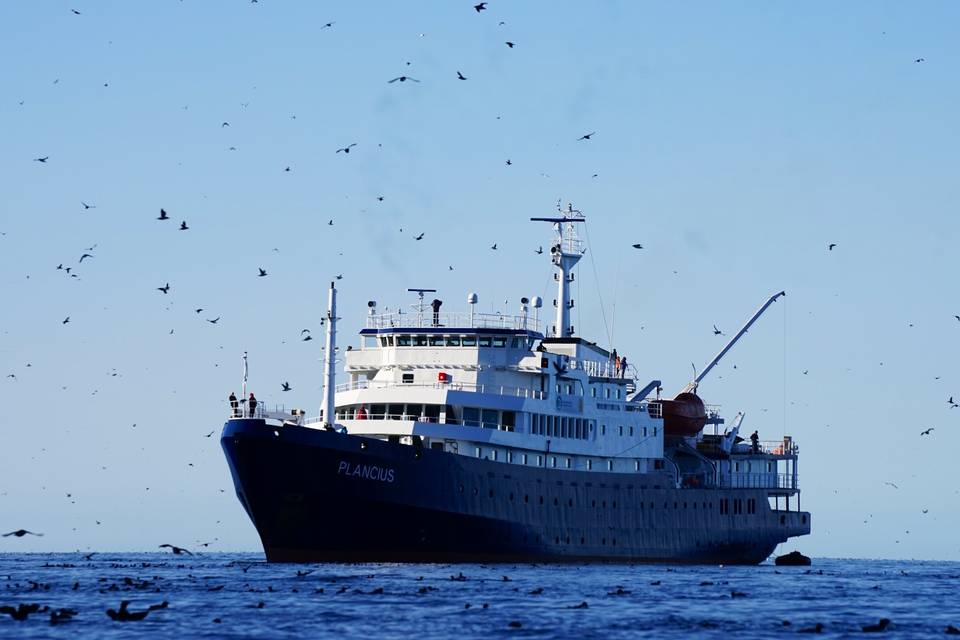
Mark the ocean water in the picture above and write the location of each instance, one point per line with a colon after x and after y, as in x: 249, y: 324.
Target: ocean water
x: 241, y: 596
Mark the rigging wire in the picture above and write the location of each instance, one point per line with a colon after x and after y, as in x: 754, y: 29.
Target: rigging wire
x: 596, y: 278
x: 784, y: 366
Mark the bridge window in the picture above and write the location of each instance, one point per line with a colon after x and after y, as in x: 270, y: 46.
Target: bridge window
x: 509, y: 456
x: 479, y: 452
x: 593, y: 392
x: 508, y: 420
x: 383, y: 341
x: 636, y: 466
x: 436, y: 341
x: 553, y: 461
x: 539, y: 461
x: 489, y: 417
x: 419, y: 341
x: 452, y: 341
x: 523, y: 458
x: 403, y: 341
x: 631, y: 431
x: 483, y: 341
x: 589, y: 465
x: 469, y: 341
x: 471, y: 417
x: 609, y: 465
x: 606, y: 392
x: 500, y: 341
x: 569, y: 463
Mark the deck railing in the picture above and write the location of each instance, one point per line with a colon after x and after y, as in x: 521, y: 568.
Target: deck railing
x: 759, y: 481
x: 458, y: 320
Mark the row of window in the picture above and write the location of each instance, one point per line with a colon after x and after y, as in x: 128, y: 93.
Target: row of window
x: 561, y: 426
x: 539, y: 460
x: 438, y: 341
x: 738, y: 506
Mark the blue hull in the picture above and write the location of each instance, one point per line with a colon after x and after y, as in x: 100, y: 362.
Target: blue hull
x: 320, y: 496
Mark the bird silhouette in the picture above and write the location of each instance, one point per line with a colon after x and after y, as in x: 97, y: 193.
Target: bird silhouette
x: 43, y: 159
x: 214, y: 321
x: 716, y: 331
x: 957, y: 317
x: 308, y: 338
x: 262, y: 272
x: 285, y: 386
x: 327, y: 25
x: 330, y: 223
x: 165, y: 288
x: 183, y: 226
x: 920, y: 60
x: 65, y: 320
x: 460, y: 76
x: 86, y: 255
x: 339, y: 276
x: 163, y: 215
x: 125, y: 615
x: 176, y: 550
x: 480, y: 7
x: 876, y: 628
x: 509, y: 162
x: 539, y: 251
x: 831, y: 246
x: 586, y: 136
x: 19, y: 533
x: 88, y: 206
x: 892, y: 485
x: 402, y: 79
x: 346, y: 149
x: 225, y: 124
x: 510, y: 44
x: 209, y: 434
x: 419, y: 237
x: 494, y: 247
x: 951, y: 402
x: 637, y: 246
x: 927, y: 432
x: 75, y: 12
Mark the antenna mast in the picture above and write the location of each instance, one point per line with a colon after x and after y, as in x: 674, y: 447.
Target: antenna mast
x: 329, y: 360
x: 565, y: 253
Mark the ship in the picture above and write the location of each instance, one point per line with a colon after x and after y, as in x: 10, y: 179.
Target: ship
x: 479, y: 437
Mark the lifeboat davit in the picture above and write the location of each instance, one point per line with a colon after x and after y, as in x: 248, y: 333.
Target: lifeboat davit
x: 683, y: 416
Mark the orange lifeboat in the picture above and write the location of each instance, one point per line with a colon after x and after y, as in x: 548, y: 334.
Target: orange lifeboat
x: 683, y: 416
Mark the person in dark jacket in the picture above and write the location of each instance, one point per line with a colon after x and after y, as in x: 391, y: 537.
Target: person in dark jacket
x: 252, y: 404
x: 234, y: 405
x: 755, y: 442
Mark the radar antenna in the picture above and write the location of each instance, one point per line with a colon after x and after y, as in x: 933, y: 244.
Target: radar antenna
x: 564, y: 254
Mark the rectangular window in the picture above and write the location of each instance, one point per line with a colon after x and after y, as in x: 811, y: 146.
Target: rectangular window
x: 553, y: 461
x: 395, y: 411
x: 436, y: 341
x: 620, y: 429
x: 589, y: 465
x: 593, y: 392
x: 515, y: 343
x: 407, y: 378
x: 479, y: 452
x: 569, y: 463
x: 390, y: 340
x: 484, y: 341
x: 489, y: 418
x: 471, y: 417
x: 631, y: 431
x: 606, y: 392
x: 403, y: 341
x: 509, y: 456
x: 499, y: 341
x: 493, y: 454
x: 469, y: 341
x: 644, y: 432
x: 419, y: 341
x: 452, y: 341
x: 636, y: 465
x: 618, y: 393
x: 539, y: 461
x: 523, y: 458
x: 654, y: 432
x: 563, y: 427
x: 383, y: 341
x: 578, y: 427
x: 609, y: 465
x: 603, y: 429
x: 508, y: 420
x: 569, y: 389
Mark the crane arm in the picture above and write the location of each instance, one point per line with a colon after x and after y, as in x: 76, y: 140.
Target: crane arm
x: 703, y: 374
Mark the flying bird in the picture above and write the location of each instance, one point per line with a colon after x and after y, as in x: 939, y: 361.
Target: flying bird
x: 508, y: 162
x: 86, y: 255
x: 66, y: 320
x: 510, y: 44
x: 716, y: 331
x: 460, y: 76
x: 480, y: 7
x: 419, y: 237
x: 125, y: 615
x: 163, y: 215
x: 494, y: 247
x: 951, y: 402
x: 225, y: 124
x: 214, y: 321
x: 892, y: 485
x: 308, y: 338
x: 43, y: 159
x: 339, y: 276
x: 286, y: 386
x: 183, y: 226
x: 176, y: 550
x: 262, y: 272
x: 402, y: 79
x: 831, y: 246
x: 586, y: 136
x: 637, y: 246
x: 75, y: 12
x: 926, y: 432
x: 539, y: 251
x: 19, y: 533
x: 87, y: 206
x: 209, y: 434
x: 957, y: 317
x: 327, y: 25
x: 330, y: 223
x: 165, y: 288
x: 346, y: 149
x: 920, y: 60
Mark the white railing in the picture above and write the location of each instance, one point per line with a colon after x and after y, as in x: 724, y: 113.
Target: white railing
x: 785, y: 447
x: 460, y: 320
x: 603, y: 369
x: 759, y: 481
x: 351, y: 415
x: 496, y: 389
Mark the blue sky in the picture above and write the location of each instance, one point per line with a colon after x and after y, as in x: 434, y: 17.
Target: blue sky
x: 735, y: 141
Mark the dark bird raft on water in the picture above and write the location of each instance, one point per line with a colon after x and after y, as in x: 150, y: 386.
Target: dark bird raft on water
x: 479, y: 437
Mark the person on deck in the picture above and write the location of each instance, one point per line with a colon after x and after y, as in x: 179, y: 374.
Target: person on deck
x: 614, y: 358
x: 623, y: 366
x: 234, y: 405
x: 755, y: 442
x: 252, y: 404
x: 361, y: 414
x: 616, y: 366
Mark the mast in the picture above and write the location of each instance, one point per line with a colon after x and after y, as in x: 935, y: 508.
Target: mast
x: 564, y: 254
x: 329, y: 360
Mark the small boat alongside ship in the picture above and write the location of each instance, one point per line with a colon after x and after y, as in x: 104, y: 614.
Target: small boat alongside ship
x: 484, y: 437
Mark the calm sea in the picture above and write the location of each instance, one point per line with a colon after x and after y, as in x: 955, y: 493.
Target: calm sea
x: 240, y: 596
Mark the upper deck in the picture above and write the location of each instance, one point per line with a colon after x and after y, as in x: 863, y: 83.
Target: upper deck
x: 457, y: 321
